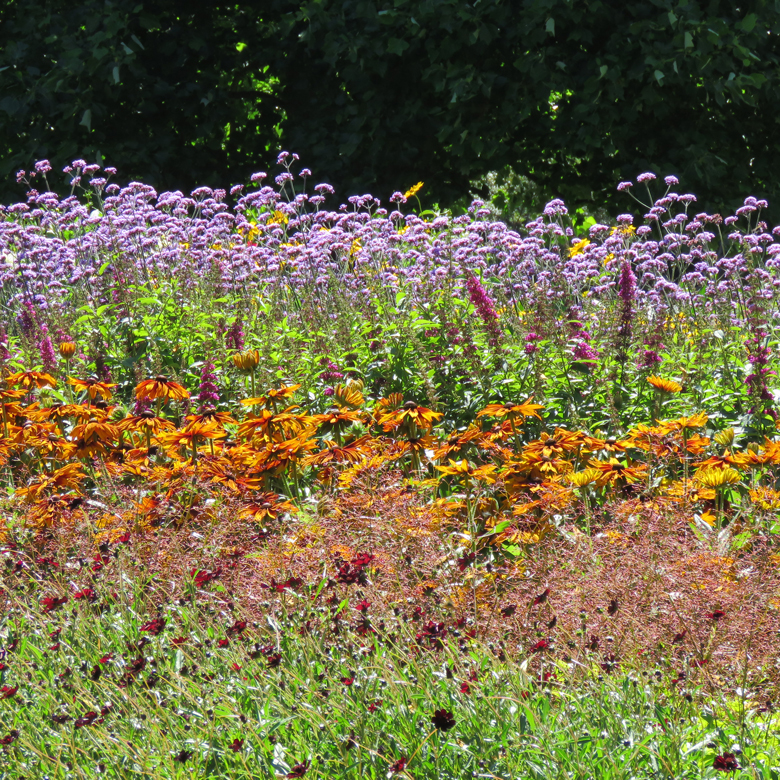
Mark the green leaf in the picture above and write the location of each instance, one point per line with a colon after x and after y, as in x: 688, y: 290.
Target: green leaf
x: 397, y: 46
x: 749, y: 22
x: 659, y: 75
x: 86, y: 120
x: 688, y: 41
x: 550, y: 26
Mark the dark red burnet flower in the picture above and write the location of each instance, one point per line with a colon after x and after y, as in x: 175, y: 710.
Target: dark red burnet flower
x: 292, y: 583
x: 236, y: 745
x: 223, y: 643
x: 433, y: 634
x: 725, y: 763
x: 299, y: 770
x: 717, y: 614
x: 348, y: 680
x: 375, y: 705
x: 237, y: 628
x: 203, y: 577
x: 87, y: 594
x: 509, y: 610
x: 50, y: 603
x: 10, y: 737
x: 363, y: 606
x: 8, y: 691
x: 613, y: 607
x: 399, y: 765
x: 274, y: 659
x: 182, y: 756
x: 610, y: 663
x: 443, y: 720
x: 541, y: 598
x: 179, y: 640
x: 541, y: 645
x: 465, y: 688
x: 87, y: 719
x: 59, y: 719
x: 678, y: 638
x: 466, y: 560
x: 154, y: 627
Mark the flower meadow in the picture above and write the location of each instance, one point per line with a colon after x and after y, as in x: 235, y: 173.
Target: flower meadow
x: 299, y: 492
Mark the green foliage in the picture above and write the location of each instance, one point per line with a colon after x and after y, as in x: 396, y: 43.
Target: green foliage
x: 378, y: 95
x: 197, y: 708
x: 168, y: 93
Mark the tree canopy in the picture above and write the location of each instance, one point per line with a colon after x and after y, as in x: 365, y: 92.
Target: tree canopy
x: 376, y: 95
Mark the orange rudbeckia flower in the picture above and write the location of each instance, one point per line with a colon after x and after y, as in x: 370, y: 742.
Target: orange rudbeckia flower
x: 161, y: 387
x: 30, y: 379
x: 93, y: 387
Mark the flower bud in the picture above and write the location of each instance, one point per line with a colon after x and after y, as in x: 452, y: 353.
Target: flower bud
x: 246, y: 361
x: 67, y: 349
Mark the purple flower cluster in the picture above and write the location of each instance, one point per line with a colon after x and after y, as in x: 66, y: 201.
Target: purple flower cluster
x: 315, y: 267
x: 208, y: 392
x: 46, y: 349
x: 234, y: 336
x: 330, y: 371
x: 485, y: 308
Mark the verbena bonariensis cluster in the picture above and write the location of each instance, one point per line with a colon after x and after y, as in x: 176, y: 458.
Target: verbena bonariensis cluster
x: 147, y: 282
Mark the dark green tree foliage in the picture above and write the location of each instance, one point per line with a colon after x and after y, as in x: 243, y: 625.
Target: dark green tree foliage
x: 160, y: 91
x: 377, y: 95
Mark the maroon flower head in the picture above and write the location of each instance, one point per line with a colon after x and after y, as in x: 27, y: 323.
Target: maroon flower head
x: 299, y: 770
x: 154, y: 627
x: 10, y: 738
x: 443, y: 720
x: 725, y: 763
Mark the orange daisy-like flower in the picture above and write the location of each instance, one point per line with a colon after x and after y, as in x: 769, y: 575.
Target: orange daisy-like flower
x: 222, y: 473
x: 560, y: 442
x: 353, y: 452
x: 30, y: 379
x: 93, y: 387
x: 464, y: 470
x: 161, y: 387
x: 456, y: 442
x: 96, y: 429
x: 269, y: 423
x: 613, y: 471
x: 272, y: 397
x: 682, y: 424
x: 512, y: 410
x: 8, y: 395
x: 221, y: 419
x: 192, y: 433
x: 267, y: 506
x: 68, y: 477
x: 409, y: 413
x: 146, y: 422
x: 664, y: 385
x: 60, y: 412
x: 335, y: 419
